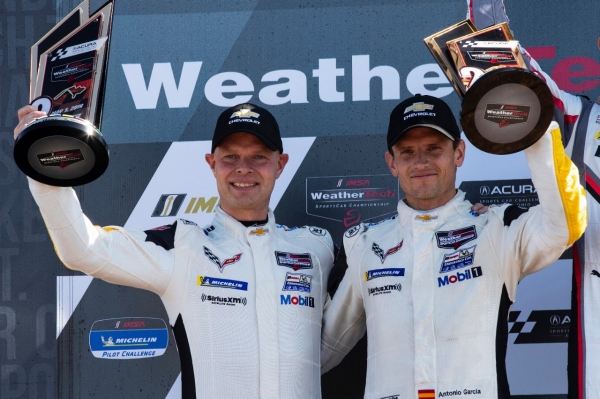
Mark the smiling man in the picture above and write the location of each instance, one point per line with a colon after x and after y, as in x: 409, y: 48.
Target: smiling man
x: 433, y: 285
x: 244, y: 295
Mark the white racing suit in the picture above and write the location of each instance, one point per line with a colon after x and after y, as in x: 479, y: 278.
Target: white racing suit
x: 433, y: 289
x: 579, y: 119
x: 245, y: 303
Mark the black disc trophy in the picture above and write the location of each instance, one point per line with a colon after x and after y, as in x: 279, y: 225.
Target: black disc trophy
x: 505, y: 107
x: 66, y: 148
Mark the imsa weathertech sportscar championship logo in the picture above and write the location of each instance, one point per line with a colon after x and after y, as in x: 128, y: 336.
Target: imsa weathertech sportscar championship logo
x: 128, y: 338
x: 294, y: 261
x: 455, y: 238
x: 376, y: 273
x: 62, y: 159
x: 221, y: 300
x: 352, y: 199
x: 505, y: 115
x: 383, y: 255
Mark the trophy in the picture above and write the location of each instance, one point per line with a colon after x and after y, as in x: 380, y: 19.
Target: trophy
x: 505, y: 107
x: 68, y: 66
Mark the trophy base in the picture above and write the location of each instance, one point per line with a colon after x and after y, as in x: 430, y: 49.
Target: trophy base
x: 506, y: 110
x: 61, y: 150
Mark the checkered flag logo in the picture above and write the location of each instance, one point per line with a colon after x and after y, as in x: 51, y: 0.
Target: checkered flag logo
x: 215, y: 259
x: 469, y: 43
x: 60, y: 53
x: 378, y: 251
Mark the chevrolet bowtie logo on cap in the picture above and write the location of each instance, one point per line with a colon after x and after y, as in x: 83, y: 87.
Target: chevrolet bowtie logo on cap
x: 418, y: 107
x: 259, y: 231
x: 244, y: 113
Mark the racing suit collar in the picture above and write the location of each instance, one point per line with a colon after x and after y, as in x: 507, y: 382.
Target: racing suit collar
x: 230, y: 226
x: 435, y: 216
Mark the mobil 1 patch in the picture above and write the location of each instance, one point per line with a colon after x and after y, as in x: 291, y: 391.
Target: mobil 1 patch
x: 128, y: 338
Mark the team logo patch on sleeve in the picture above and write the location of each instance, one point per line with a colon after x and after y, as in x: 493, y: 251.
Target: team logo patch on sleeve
x: 205, y: 281
x: 294, y: 261
x: 297, y: 282
x: 455, y: 238
x: 376, y: 273
x: 457, y: 260
x: 215, y: 259
x: 383, y: 255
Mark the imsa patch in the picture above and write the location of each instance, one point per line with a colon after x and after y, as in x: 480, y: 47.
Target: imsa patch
x: 457, y: 260
x: 297, y: 282
x: 294, y: 261
x: 455, y: 238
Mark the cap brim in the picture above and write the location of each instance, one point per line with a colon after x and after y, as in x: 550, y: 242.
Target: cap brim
x: 434, y: 127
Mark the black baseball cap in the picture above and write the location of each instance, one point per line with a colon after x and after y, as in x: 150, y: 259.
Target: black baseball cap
x: 426, y: 111
x: 251, y: 119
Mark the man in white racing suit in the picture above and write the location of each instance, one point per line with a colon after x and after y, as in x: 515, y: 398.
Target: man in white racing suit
x: 434, y: 284
x: 579, y: 118
x: 244, y: 295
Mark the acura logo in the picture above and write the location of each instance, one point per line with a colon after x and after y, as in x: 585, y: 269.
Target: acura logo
x: 555, y: 320
x: 484, y: 190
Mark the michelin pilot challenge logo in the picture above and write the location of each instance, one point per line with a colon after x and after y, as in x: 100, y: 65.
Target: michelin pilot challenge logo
x: 128, y: 338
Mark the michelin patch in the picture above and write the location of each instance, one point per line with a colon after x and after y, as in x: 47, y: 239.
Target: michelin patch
x: 376, y: 273
x: 206, y: 281
x: 457, y: 260
x: 297, y: 282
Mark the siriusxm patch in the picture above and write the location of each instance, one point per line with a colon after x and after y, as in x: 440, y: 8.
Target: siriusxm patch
x: 458, y: 260
x: 205, y: 281
x: 376, y: 273
x: 128, y: 338
x: 297, y: 282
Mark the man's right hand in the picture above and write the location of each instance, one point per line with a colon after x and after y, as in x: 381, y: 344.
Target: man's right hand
x: 26, y: 115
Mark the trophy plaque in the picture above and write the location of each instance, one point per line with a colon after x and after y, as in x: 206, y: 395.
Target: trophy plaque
x: 65, y: 148
x: 505, y: 107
